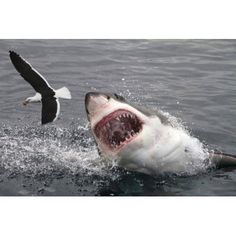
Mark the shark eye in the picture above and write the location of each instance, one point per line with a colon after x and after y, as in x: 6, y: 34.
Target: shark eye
x: 118, y: 97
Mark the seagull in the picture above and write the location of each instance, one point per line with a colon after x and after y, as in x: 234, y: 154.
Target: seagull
x: 44, y: 92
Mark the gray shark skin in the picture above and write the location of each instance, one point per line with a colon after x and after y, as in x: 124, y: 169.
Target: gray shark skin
x: 145, y: 141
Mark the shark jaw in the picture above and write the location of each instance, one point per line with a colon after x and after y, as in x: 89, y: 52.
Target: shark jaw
x: 117, y: 129
x: 114, y: 123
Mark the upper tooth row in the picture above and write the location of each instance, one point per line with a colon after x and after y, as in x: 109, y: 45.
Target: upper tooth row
x: 118, y: 118
x: 124, y: 116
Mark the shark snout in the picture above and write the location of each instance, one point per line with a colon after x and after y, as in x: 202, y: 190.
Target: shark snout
x: 94, y: 101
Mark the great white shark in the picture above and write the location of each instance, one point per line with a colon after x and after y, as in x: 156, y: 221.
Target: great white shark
x: 145, y: 141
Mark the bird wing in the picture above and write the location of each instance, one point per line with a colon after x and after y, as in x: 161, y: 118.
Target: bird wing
x: 37, y: 81
x: 50, y: 109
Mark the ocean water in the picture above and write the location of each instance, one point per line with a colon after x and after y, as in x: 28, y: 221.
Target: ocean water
x: 193, y: 80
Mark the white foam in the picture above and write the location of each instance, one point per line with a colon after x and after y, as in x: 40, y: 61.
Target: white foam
x: 23, y: 152
x: 196, y: 151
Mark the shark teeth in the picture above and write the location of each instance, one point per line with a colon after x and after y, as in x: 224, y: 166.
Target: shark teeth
x: 118, y: 128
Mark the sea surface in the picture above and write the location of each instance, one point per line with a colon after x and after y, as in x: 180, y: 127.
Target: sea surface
x: 193, y: 80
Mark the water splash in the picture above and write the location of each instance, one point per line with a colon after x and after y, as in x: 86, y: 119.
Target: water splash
x: 197, y: 152
x: 48, y: 148
x: 35, y: 158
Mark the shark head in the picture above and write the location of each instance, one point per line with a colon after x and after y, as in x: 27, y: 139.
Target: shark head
x: 119, y: 128
x: 137, y: 139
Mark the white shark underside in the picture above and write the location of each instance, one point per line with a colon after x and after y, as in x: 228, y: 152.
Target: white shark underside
x: 146, y: 142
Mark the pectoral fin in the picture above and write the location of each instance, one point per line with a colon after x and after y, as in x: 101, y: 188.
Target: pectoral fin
x: 222, y: 160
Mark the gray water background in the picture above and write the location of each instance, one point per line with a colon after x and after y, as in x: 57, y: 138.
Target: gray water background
x: 193, y: 80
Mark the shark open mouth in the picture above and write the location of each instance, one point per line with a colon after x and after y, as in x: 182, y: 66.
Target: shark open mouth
x: 118, y: 128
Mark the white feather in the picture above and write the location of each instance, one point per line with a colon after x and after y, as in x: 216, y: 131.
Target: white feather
x: 58, y: 109
x: 63, y: 93
x: 36, y: 98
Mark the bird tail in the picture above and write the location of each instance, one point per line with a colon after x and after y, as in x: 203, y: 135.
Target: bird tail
x: 63, y: 93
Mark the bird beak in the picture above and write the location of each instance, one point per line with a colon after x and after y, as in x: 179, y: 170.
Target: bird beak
x: 25, y: 102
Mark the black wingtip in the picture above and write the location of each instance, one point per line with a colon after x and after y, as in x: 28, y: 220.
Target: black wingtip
x: 13, y: 55
x: 20, y: 64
